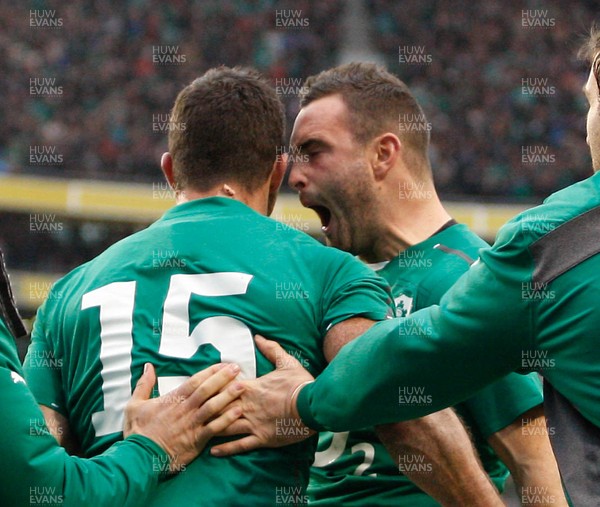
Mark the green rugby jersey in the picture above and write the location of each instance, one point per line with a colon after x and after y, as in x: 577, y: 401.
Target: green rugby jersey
x: 35, y: 470
x: 189, y: 291
x: 354, y: 469
x: 531, y: 302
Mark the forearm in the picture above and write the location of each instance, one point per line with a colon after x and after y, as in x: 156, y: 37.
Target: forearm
x: 37, y: 470
x: 449, y: 470
x: 59, y: 427
x: 477, y: 335
x: 539, y: 485
x: 129, y: 470
x: 525, y: 448
x: 367, y: 381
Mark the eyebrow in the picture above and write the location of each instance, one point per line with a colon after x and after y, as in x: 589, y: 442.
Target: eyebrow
x: 302, y: 148
x: 311, y: 143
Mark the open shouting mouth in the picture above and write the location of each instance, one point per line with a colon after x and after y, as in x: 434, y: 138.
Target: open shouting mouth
x: 324, y: 216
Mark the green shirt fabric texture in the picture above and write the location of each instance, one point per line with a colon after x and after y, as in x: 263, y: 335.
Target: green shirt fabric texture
x: 35, y: 470
x: 529, y: 303
x: 189, y: 291
x: 354, y: 468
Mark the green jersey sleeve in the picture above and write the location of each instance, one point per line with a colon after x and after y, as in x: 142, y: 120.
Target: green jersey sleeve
x: 355, y: 291
x: 35, y: 470
x: 470, y: 339
x: 43, y: 368
x: 498, y: 405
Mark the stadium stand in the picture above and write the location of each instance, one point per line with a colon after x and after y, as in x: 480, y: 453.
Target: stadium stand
x: 113, y: 68
x: 499, y: 86
x: 119, y: 64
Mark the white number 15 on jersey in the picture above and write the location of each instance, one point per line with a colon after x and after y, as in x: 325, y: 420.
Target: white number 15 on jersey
x: 229, y: 336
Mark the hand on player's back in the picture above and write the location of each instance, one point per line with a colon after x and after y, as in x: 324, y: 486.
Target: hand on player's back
x: 184, y: 420
x: 269, y: 412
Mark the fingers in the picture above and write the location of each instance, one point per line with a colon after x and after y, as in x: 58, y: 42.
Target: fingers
x: 222, y: 422
x: 245, y: 444
x: 215, y: 405
x: 143, y: 388
x: 191, y: 385
x: 213, y: 385
x: 239, y: 427
x: 274, y: 352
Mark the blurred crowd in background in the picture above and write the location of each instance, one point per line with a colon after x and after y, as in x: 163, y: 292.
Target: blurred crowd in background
x: 121, y: 63
x: 503, y: 85
x: 93, y: 81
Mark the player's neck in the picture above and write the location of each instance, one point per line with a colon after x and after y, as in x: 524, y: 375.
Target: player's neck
x: 255, y: 200
x: 407, y: 224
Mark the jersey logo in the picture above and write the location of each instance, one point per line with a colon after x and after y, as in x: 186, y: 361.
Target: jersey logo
x: 403, y: 305
x: 16, y: 378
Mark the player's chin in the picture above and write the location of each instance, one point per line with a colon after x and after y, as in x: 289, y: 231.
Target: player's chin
x: 336, y: 237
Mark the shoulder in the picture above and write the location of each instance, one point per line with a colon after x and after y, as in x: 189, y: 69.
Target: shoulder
x: 313, y: 252
x: 458, y: 244
x: 66, y: 291
x: 452, y: 254
x: 559, y: 208
x: 64, y: 284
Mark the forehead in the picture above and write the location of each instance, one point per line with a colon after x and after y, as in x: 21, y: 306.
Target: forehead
x: 322, y: 117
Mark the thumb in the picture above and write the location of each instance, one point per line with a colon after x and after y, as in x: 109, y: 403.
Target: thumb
x: 274, y: 353
x: 143, y: 388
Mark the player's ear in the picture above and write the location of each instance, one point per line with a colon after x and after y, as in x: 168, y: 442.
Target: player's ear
x: 386, y: 152
x: 166, y: 164
x: 277, y: 174
x: 279, y: 167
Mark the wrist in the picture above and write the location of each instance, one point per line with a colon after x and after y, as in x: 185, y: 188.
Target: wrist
x: 161, y: 459
x: 292, y: 409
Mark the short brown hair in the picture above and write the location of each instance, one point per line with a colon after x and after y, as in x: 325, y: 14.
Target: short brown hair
x: 225, y: 125
x: 590, y: 50
x: 376, y: 101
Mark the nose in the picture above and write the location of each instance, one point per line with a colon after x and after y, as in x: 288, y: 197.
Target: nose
x: 296, y: 178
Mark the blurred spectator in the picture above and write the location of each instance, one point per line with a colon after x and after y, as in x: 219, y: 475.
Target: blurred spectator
x: 501, y: 86
x: 91, y: 83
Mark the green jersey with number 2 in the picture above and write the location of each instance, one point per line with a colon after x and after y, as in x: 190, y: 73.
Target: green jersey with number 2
x: 354, y: 468
x: 187, y: 292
